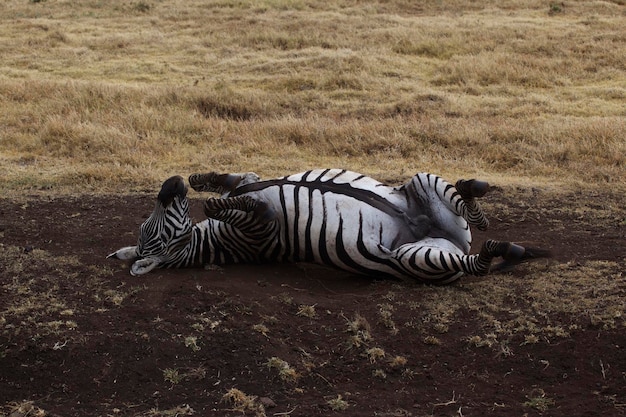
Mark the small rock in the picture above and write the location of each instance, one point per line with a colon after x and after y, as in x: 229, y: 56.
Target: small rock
x: 267, y: 402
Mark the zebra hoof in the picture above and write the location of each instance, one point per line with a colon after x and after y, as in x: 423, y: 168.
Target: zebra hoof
x: 516, y: 254
x: 512, y: 256
x: 472, y: 188
x: 229, y: 181
x: 479, y: 188
x: 263, y: 213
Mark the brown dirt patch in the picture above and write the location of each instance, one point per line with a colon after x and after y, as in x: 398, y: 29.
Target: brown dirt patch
x: 100, y: 342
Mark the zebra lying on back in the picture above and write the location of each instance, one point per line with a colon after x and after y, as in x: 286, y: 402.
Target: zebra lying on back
x: 420, y: 230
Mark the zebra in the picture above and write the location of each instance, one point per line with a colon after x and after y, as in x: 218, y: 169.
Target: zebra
x: 419, y: 230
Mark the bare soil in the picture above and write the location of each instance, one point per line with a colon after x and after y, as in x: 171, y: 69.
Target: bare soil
x: 175, y: 342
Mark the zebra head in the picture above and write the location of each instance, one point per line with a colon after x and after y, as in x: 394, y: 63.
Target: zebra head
x: 164, y: 234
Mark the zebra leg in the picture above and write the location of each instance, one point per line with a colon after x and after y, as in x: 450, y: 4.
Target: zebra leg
x: 470, y: 190
x: 250, y: 229
x: 235, y: 210
x: 430, y: 261
x: 428, y: 190
x: 220, y: 183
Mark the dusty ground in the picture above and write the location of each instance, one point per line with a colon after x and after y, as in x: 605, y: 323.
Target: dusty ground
x: 81, y: 337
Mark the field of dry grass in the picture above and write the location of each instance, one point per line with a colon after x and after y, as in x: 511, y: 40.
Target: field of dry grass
x: 102, y: 100
x: 98, y: 95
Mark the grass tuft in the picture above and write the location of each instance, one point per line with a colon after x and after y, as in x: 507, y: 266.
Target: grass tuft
x: 338, y: 404
x: 244, y: 403
x: 285, y: 371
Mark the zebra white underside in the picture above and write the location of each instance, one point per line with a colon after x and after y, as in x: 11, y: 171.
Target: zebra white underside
x: 351, y: 221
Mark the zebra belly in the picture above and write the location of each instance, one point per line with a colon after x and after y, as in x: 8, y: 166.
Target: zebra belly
x: 340, y: 218
x: 334, y: 229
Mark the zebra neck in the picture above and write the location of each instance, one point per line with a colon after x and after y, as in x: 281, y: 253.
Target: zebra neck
x: 207, y: 245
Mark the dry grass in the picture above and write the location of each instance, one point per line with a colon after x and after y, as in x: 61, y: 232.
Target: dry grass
x: 553, y: 301
x: 285, y: 371
x: 100, y: 95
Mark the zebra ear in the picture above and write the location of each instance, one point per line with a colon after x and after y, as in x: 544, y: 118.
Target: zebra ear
x: 125, y: 253
x: 143, y: 266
